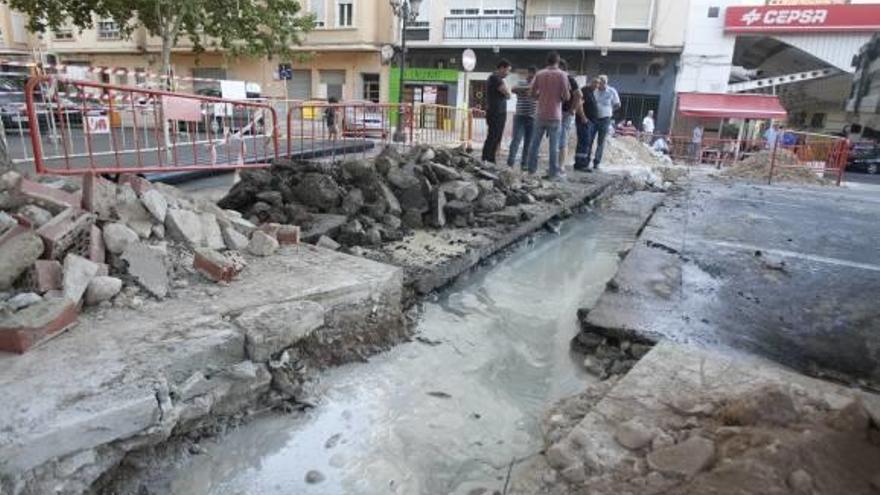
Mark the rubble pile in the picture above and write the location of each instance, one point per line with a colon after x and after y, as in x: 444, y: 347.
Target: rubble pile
x: 787, y: 168
x: 627, y: 150
x: 367, y: 202
x: 107, y: 243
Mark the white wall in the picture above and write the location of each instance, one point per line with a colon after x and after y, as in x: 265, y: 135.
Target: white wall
x: 708, y: 52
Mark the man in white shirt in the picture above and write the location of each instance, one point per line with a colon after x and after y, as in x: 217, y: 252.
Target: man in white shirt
x: 648, y: 126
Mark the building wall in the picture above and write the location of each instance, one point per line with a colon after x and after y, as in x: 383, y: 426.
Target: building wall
x: 15, y: 38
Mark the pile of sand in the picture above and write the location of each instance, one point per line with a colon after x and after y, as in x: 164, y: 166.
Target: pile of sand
x: 627, y: 150
x: 787, y: 168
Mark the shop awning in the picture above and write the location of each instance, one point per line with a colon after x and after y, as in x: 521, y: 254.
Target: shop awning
x: 736, y: 106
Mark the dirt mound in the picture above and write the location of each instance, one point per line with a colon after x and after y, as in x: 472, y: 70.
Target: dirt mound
x: 627, y: 150
x: 787, y: 168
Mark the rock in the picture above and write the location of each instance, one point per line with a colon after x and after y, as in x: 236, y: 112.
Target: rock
x: 438, y: 212
x: 427, y: 155
x: 402, y: 179
x: 662, y: 440
x: 118, y: 236
x: 211, y: 236
x: 491, y: 201
x: 510, y: 179
x: 36, y: 215
x: 767, y: 406
x: 800, y: 482
x: 6, y: 222
x: 386, y: 196
x: 273, y: 198
x: 314, y: 476
x: 456, y: 208
x: 239, y: 224
x: 486, y: 175
x: 412, y: 219
x: 352, y: 233
x: 102, y: 289
x: 159, y: 231
x: 323, y: 224
x: 461, y: 190
x: 327, y: 243
x: 444, y: 173
x: 353, y: 202
x: 155, y: 203
x: 373, y: 236
x: 233, y: 239
x: 148, y: 265
x: 23, y: 300
x: 852, y: 417
x: 184, y: 226
x: 391, y: 221
x: 262, y: 244
x: 414, y: 198
x: 78, y: 273
x: 684, y: 459
x: 317, y: 190
x: 17, y: 254
x: 131, y: 212
x: 272, y: 328
x: 358, y: 170
x: 633, y: 435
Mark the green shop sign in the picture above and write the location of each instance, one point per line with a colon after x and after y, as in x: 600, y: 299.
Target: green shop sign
x: 416, y: 74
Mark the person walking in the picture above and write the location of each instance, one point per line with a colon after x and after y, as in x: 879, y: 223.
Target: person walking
x: 523, y: 121
x: 550, y: 88
x: 569, y: 108
x: 497, y: 94
x: 648, y: 127
x: 587, y: 118
x: 607, y: 101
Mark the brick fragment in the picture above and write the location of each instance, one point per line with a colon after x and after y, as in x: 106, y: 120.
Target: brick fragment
x: 98, y: 195
x: 47, y: 276
x: 97, y: 250
x: 288, y: 234
x: 69, y: 230
x: 24, y: 329
x: 217, y: 266
x: 49, y: 197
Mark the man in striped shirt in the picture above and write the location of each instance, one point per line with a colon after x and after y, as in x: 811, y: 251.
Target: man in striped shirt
x: 523, y: 121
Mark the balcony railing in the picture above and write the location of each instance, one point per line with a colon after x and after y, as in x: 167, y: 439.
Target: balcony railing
x: 536, y: 27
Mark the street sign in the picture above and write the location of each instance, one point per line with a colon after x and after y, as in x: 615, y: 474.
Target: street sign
x: 98, y: 124
x: 468, y: 60
x: 285, y: 72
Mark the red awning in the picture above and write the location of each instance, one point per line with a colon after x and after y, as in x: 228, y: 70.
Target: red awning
x: 739, y: 106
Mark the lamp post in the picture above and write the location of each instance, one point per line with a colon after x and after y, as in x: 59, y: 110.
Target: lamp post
x: 407, y: 11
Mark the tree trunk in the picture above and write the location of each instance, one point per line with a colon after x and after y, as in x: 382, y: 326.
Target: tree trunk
x: 167, y: 44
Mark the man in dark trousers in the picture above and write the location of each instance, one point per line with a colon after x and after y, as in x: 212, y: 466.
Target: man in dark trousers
x: 497, y: 94
x: 587, y: 117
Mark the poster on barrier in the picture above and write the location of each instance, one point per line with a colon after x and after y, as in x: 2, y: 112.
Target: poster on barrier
x: 177, y: 108
x: 98, y: 124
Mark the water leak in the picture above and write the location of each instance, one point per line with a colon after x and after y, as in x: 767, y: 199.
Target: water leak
x: 446, y: 413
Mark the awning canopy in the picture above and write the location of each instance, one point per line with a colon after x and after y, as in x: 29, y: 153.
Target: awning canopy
x: 734, y: 106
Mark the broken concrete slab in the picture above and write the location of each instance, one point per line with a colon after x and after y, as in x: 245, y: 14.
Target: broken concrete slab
x: 262, y: 244
x: 102, y: 288
x: 211, y: 235
x: 19, y: 249
x: 23, y: 300
x: 78, y: 273
x: 117, y: 236
x: 155, y: 203
x: 323, y: 224
x: 233, y: 239
x: 271, y: 329
x: 131, y: 212
x: 184, y: 226
x: 149, y: 266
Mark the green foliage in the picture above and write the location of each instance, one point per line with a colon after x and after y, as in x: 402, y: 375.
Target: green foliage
x: 730, y: 131
x: 238, y: 27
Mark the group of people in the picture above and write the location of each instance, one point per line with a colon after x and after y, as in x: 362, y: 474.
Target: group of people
x: 549, y: 103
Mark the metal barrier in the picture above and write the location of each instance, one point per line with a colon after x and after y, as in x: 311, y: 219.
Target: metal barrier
x: 79, y: 127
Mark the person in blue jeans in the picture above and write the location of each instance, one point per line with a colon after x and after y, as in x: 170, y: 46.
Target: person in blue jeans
x: 569, y: 109
x: 523, y: 121
x: 587, y: 117
x: 550, y: 88
x: 607, y: 101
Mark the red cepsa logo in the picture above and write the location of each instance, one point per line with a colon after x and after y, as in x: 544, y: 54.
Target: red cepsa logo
x: 785, y: 17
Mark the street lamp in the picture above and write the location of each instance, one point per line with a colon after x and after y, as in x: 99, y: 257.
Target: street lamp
x: 407, y: 11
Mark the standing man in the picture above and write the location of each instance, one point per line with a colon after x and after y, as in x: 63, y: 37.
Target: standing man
x: 607, y: 101
x: 648, y: 126
x: 569, y: 108
x: 523, y: 121
x: 550, y: 88
x: 696, y: 143
x: 771, y: 135
x: 587, y: 117
x: 497, y: 94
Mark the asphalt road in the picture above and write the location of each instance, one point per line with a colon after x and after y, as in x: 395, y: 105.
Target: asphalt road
x: 861, y: 178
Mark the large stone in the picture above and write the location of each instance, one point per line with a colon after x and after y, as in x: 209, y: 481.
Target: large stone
x: 387, y: 160
x: 852, y: 417
x: 132, y: 212
x: 633, y: 435
x: 262, y: 244
x: 211, y: 235
x: 36, y: 216
x: 403, y: 178
x: 156, y: 204
x: 387, y: 196
x: 234, y: 239
x: 102, y: 289
x: 461, y: 190
x: 318, y: 190
x: 323, y: 224
x: 491, y: 201
x: 149, y: 266
x: 78, y: 273
x: 800, y: 482
x: 444, y: 173
x: 184, y: 226
x: 327, y: 243
x: 412, y: 219
x: 19, y: 249
x: 118, y: 236
x: 684, y: 459
x: 352, y: 233
x: 438, y: 205
x: 358, y: 170
x: 272, y: 328
x: 353, y: 202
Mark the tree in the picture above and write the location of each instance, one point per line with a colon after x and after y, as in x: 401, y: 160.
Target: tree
x: 237, y: 27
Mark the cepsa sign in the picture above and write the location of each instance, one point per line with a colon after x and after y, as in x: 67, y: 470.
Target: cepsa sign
x: 802, y: 18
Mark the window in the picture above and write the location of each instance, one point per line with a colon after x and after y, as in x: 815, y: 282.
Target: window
x: 464, y: 12
x: 371, y: 87
x: 318, y: 11
x: 655, y: 70
x: 122, y: 78
x: 345, y: 13
x: 140, y: 76
x: 497, y: 11
x: 630, y: 35
x: 63, y: 34
x: 628, y: 69
x: 714, y: 12
x: 108, y: 30
x: 19, y: 28
x: 333, y: 82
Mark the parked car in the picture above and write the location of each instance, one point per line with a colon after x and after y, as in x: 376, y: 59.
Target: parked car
x: 216, y: 115
x: 864, y: 157
x: 13, y: 112
x: 364, y: 119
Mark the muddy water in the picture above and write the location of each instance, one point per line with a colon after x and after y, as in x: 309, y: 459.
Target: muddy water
x: 446, y: 413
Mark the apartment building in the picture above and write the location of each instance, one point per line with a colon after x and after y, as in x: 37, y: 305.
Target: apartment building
x: 339, y: 58
x: 863, y: 104
x: 635, y: 42
x: 15, y: 40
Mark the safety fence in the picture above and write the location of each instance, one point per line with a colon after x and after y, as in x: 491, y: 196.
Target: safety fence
x: 60, y: 126
x: 793, y: 152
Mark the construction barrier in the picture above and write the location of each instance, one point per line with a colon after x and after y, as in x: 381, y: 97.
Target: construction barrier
x: 78, y: 127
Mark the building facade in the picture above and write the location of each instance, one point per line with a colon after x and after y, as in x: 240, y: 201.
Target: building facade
x: 340, y: 57
x: 635, y: 42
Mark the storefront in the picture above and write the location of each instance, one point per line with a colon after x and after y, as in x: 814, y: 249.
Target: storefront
x: 422, y: 85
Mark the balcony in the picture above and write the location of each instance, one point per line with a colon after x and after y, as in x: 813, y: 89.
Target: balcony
x: 535, y: 27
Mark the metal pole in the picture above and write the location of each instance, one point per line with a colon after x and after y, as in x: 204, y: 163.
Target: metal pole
x: 399, y: 134
x: 772, y: 161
